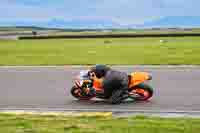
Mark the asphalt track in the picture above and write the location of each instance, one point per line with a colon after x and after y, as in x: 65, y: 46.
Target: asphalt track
x: 176, y: 90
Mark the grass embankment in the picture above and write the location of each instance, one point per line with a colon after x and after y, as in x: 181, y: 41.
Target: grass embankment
x: 60, y: 124
x: 185, y: 50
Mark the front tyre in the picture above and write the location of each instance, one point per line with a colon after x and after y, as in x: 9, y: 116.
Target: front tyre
x: 78, y: 94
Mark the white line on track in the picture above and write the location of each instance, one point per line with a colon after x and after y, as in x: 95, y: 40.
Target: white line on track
x: 101, y: 110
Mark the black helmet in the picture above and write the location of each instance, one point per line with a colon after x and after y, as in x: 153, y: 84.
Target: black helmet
x: 100, y: 70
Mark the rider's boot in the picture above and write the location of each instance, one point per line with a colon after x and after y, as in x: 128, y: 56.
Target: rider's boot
x: 127, y: 98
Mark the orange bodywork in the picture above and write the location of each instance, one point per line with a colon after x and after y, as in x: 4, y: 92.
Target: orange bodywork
x: 137, y: 78
x: 97, y: 85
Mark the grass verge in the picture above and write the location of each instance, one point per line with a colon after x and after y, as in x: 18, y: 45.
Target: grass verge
x: 125, y: 51
x: 10, y: 123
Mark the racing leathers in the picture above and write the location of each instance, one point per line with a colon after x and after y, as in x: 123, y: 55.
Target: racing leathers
x: 115, y: 83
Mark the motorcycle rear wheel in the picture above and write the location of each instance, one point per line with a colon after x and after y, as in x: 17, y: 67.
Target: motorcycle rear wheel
x: 144, y: 92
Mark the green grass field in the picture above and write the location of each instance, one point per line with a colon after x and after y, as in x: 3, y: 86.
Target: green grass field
x: 138, y: 32
x: 137, y: 124
x: 185, y: 50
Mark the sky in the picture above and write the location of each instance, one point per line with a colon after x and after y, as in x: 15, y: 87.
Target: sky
x: 120, y: 12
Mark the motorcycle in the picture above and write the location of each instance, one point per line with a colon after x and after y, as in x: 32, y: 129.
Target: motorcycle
x: 138, y: 88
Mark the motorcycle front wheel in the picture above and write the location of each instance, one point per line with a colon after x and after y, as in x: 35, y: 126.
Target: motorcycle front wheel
x: 78, y: 94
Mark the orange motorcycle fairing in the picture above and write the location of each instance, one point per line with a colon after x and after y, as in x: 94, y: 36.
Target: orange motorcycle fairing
x: 137, y: 78
x: 97, y: 85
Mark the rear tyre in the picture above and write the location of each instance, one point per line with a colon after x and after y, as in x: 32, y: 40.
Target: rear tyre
x: 78, y: 94
x: 144, y: 92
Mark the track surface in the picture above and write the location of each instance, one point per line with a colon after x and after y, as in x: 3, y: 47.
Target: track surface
x: 48, y: 88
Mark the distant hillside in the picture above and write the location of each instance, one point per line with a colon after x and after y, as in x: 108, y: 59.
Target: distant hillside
x: 69, y: 24
x: 87, y: 24
x: 90, y: 24
x: 25, y: 28
x: 170, y: 21
x: 174, y: 21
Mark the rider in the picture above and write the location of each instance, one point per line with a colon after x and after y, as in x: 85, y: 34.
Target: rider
x: 114, y: 83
